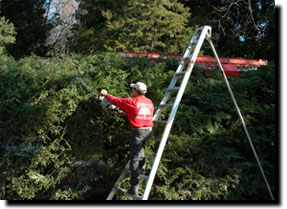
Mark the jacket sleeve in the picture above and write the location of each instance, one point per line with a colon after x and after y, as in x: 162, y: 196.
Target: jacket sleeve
x: 122, y: 103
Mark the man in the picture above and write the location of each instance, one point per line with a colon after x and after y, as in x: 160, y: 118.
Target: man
x: 139, y: 110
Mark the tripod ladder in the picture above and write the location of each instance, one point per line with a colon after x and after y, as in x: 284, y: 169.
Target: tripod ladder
x: 184, y: 70
x: 178, y: 84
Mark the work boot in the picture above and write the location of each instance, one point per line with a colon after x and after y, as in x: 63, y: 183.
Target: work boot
x: 134, y: 190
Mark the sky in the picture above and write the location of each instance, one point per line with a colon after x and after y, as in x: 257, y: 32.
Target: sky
x: 52, y: 10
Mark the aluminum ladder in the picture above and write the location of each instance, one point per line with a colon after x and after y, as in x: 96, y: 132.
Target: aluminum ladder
x: 183, y: 71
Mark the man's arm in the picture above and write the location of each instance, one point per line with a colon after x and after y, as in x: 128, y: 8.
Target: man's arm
x: 122, y: 103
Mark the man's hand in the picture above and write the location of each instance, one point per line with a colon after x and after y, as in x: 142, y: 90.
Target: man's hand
x: 104, y: 92
x: 122, y: 113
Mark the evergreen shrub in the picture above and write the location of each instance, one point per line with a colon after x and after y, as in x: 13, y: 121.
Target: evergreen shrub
x: 57, y: 142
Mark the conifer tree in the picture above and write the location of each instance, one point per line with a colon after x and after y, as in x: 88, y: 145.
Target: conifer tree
x: 140, y: 26
x: 237, y: 24
x: 7, y: 33
x: 28, y: 18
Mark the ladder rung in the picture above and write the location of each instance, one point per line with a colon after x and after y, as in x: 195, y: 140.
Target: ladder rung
x: 160, y: 121
x: 187, y: 57
x: 128, y: 194
x: 195, y: 40
x: 121, y: 189
x: 166, y: 105
x: 173, y: 89
x: 143, y: 176
x: 180, y: 73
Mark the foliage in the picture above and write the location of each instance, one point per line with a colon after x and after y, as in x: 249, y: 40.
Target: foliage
x: 30, y: 24
x: 139, y: 26
x: 57, y: 142
x: 163, y: 26
x: 237, y: 24
x: 7, y: 33
x: 153, y: 26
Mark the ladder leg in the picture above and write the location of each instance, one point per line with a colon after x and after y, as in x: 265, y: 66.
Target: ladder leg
x: 241, y: 118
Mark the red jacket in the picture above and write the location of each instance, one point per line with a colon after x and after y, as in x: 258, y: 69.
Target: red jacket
x: 139, y: 109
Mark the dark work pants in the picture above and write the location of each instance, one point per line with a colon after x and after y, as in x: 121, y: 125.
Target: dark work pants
x: 138, y: 139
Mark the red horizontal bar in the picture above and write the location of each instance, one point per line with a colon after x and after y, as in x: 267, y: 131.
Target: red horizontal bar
x: 202, y: 59
x: 234, y: 61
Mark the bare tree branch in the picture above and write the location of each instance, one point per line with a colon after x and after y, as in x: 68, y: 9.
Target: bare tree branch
x: 66, y: 10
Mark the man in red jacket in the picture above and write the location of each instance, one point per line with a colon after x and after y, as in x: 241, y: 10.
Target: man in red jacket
x: 139, y: 110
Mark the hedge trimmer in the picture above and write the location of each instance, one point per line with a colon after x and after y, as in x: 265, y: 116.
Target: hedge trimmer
x: 100, y: 98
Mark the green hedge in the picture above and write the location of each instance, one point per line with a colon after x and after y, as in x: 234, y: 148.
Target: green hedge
x: 57, y: 142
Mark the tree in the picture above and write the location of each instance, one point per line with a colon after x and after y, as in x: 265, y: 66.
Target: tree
x: 237, y: 25
x: 7, y: 33
x: 249, y: 21
x: 151, y: 26
x: 54, y: 133
x: 30, y: 24
x: 61, y: 14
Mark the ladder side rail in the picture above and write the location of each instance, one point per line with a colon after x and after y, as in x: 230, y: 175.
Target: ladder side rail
x: 241, y: 118
x: 173, y: 113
